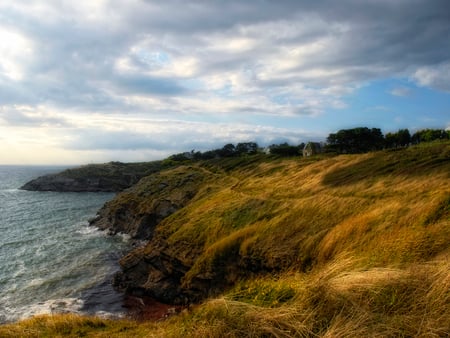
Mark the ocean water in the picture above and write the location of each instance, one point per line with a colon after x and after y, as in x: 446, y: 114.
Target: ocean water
x: 50, y: 259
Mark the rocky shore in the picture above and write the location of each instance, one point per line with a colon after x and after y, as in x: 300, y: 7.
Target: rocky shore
x: 158, y: 268
x: 154, y: 270
x: 148, y: 193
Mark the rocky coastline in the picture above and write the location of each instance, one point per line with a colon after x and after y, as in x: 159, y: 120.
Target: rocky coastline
x: 261, y: 236
x: 147, y: 194
x: 156, y: 269
x: 151, y: 270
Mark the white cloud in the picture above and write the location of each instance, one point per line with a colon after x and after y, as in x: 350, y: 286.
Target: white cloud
x: 79, y: 66
x: 401, y: 91
x: 15, y: 49
x: 437, y: 76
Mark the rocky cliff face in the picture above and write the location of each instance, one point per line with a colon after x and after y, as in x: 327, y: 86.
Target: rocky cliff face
x: 137, y: 210
x: 154, y: 270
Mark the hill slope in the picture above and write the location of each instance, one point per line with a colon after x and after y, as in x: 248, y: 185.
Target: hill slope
x: 353, y: 245
x: 272, y: 216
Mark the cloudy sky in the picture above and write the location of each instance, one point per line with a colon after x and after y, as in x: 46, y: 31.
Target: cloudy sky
x: 98, y: 80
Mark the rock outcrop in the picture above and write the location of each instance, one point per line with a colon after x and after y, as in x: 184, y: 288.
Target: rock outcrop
x: 108, y: 177
x: 59, y: 182
x: 136, y: 211
x: 153, y: 270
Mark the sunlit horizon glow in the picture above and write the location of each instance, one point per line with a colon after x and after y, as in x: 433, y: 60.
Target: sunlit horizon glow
x: 97, y: 81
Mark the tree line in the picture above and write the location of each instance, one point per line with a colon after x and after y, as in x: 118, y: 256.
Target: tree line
x: 363, y: 139
x: 228, y: 150
x: 345, y: 141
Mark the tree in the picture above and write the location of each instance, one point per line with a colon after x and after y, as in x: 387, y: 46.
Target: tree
x: 228, y: 150
x: 390, y: 140
x: 356, y: 140
x: 428, y: 135
x: 284, y: 149
x: 401, y: 138
x: 246, y: 148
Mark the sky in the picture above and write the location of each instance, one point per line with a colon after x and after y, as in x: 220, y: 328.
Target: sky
x: 91, y: 81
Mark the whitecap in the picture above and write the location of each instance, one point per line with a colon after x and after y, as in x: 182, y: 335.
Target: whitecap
x: 89, y: 230
x: 9, y: 190
x: 36, y: 282
x: 109, y: 315
x: 125, y: 237
x: 52, y: 306
x: 62, y: 305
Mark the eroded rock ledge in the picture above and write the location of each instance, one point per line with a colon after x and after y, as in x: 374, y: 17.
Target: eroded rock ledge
x: 153, y: 270
x: 136, y: 211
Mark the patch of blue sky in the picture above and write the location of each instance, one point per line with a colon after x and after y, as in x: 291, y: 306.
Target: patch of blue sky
x: 156, y: 59
x: 282, y: 99
x: 225, y: 91
x: 192, y: 84
x: 377, y: 104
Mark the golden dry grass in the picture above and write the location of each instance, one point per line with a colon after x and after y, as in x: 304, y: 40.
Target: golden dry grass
x: 351, y: 246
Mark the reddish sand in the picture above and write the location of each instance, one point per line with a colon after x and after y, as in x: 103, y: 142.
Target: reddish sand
x: 146, y: 308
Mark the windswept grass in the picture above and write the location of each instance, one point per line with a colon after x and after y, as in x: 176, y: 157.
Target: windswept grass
x: 337, y: 301
x: 294, y: 217
x: 69, y: 325
x: 345, y: 246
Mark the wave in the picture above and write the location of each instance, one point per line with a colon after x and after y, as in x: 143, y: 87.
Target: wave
x: 51, y: 260
x: 87, y: 230
x: 51, y: 306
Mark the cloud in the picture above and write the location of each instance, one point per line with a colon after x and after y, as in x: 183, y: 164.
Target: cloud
x: 26, y: 116
x: 77, y: 48
x: 14, y: 48
x: 401, y: 91
x: 436, y: 76
x: 225, y: 61
x: 316, y: 45
x: 168, y: 136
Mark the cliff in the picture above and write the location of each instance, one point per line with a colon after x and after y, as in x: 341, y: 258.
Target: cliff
x: 108, y: 177
x: 137, y: 210
x: 344, y: 246
x: 209, y: 225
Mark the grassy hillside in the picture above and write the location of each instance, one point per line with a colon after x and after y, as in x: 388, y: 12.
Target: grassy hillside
x: 352, y: 245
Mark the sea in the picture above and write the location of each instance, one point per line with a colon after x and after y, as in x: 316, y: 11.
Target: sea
x: 51, y: 260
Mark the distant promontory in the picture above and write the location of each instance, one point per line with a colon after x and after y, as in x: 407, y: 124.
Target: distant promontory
x: 108, y: 177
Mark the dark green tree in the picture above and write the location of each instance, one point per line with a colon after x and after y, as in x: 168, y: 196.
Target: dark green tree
x: 356, y: 140
x: 228, y: 150
x: 246, y: 148
x: 401, y: 138
x: 284, y: 149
